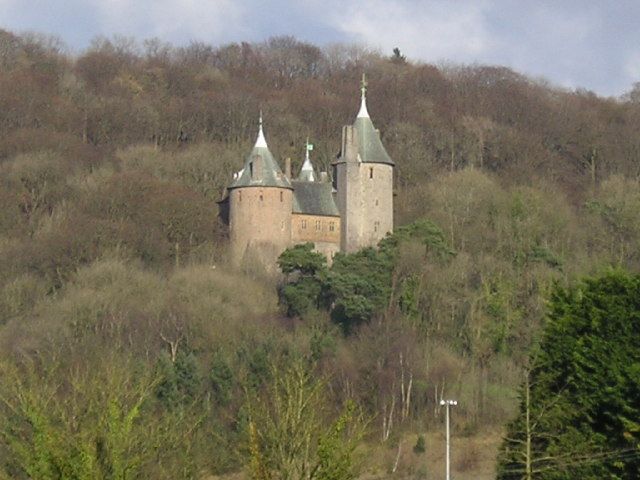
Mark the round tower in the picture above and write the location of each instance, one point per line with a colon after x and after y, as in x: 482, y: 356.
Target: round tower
x: 260, y: 206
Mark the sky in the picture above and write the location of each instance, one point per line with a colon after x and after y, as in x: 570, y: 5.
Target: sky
x: 593, y: 45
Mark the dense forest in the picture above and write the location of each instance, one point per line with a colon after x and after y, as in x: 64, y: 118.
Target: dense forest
x: 130, y: 349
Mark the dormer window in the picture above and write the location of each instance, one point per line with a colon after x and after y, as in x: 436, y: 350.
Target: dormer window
x: 256, y: 166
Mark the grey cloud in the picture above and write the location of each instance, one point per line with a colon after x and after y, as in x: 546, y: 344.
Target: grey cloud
x: 590, y: 44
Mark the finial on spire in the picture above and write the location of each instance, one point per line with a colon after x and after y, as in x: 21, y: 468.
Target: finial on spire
x: 306, y: 172
x: 261, y: 141
x: 363, y: 99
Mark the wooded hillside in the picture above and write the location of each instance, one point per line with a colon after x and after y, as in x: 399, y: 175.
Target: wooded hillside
x: 127, y: 345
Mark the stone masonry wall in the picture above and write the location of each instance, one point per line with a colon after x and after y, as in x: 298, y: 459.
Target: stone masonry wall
x: 376, y: 203
x: 259, y: 224
x: 364, y: 197
x: 323, y: 231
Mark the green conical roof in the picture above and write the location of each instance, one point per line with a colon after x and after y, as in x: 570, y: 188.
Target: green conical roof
x: 271, y: 176
x: 370, y: 146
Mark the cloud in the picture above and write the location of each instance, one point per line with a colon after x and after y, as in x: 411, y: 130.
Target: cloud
x: 173, y: 20
x: 423, y: 30
x: 593, y: 44
x: 632, y: 66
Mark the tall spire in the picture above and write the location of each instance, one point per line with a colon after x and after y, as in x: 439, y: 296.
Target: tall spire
x: 363, y: 101
x: 261, y: 141
x: 306, y: 172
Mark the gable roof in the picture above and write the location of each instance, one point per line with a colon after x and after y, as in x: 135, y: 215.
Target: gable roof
x: 314, y: 198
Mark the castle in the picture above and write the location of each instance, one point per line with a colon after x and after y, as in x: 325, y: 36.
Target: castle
x: 268, y: 210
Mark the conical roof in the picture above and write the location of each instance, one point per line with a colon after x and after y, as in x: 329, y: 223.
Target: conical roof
x: 307, y: 173
x: 271, y: 175
x: 370, y: 146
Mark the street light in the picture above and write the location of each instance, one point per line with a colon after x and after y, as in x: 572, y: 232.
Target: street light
x: 448, y: 403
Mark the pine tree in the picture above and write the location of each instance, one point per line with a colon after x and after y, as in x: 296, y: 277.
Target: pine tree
x: 580, y: 404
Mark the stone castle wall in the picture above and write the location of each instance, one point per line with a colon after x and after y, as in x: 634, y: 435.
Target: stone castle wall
x: 323, y: 231
x: 364, y: 197
x: 259, y: 224
x: 376, y: 202
x: 347, y: 193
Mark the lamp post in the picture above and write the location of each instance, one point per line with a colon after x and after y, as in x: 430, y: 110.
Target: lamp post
x: 447, y: 404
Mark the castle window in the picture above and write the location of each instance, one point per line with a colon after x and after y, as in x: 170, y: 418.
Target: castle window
x: 282, y: 225
x: 370, y: 172
x: 240, y: 196
x: 376, y: 202
x: 261, y: 197
x: 318, y: 225
x: 331, y: 226
x: 376, y: 225
x: 281, y: 196
x: 304, y: 224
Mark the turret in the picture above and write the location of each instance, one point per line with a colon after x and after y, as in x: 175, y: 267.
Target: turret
x: 307, y: 173
x: 260, y: 205
x: 363, y: 176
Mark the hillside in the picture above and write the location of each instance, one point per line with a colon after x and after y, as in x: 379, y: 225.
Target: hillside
x: 128, y: 343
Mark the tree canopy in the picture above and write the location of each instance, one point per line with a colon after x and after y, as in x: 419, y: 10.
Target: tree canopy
x: 122, y: 324
x: 580, y: 411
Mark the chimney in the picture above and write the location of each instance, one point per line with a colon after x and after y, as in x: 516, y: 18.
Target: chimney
x: 287, y: 168
x: 349, y: 151
x: 324, y: 177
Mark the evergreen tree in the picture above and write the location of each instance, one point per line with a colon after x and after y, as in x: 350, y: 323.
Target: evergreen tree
x: 580, y: 404
x: 221, y: 377
x: 307, y: 270
x: 358, y: 285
